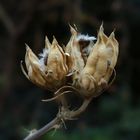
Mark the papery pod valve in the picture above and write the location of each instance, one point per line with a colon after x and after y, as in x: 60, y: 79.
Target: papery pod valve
x: 100, y: 65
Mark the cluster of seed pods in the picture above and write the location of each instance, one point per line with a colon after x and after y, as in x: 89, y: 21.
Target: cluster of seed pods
x: 82, y: 64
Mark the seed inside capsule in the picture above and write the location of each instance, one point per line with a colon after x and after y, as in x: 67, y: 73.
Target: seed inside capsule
x: 83, y: 43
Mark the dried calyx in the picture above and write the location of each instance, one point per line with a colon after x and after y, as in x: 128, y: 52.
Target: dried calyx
x: 83, y: 65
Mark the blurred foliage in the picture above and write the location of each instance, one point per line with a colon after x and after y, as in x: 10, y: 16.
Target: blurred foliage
x: 115, y: 115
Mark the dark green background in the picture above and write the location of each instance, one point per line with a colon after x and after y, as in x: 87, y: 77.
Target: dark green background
x: 115, y: 115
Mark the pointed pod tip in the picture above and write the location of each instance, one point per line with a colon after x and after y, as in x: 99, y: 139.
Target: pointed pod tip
x: 75, y: 27
x: 101, y: 28
x: 112, y: 35
x: 101, y: 34
x: 54, y: 39
x: 102, y: 24
x: 70, y: 26
x: 47, y: 42
x: 27, y: 47
x: 114, y: 30
x: 73, y: 30
x: 46, y: 38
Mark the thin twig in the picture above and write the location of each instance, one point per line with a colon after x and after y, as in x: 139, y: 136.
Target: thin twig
x: 43, y: 130
x: 81, y: 109
x: 63, y: 115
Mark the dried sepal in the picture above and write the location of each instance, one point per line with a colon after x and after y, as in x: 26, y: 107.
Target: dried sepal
x: 56, y: 65
x: 74, y: 50
x: 33, y: 68
x: 30, y: 57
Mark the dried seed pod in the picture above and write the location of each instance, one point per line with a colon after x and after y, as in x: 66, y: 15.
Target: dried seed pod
x: 56, y: 64
x: 99, y: 66
x: 103, y: 54
x: 87, y: 83
x: 74, y: 50
x: 86, y: 66
x: 112, y: 44
x: 34, y: 72
x: 50, y: 70
x: 76, y: 62
x: 91, y: 63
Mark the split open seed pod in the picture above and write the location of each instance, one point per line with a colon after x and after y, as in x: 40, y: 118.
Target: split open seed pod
x: 56, y: 65
x: 75, y: 60
x: 82, y: 65
x: 50, y: 70
x: 99, y: 66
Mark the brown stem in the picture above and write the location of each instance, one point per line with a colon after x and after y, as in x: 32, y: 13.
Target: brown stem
x: 43, y: 130
x: 81, y: 109
x: 63, y: 115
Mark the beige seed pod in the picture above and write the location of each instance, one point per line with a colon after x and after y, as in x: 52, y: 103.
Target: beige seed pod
x: 99, y: 66
x: 112, y: 44
x: 50, y: 70
x: 82, y: 64
x: 76, y: 62
x: 103, y: 54
x: 86, y: 78
x: 94, y: 56
x: 68, y: 49
x: 74, y: 50
x: 56, y: 65
x: 34, y: 72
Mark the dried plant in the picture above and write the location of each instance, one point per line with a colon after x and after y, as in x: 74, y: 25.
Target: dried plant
x: 81, y: 67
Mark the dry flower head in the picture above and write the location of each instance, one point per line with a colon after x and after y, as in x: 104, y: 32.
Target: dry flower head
x: 83, y: 66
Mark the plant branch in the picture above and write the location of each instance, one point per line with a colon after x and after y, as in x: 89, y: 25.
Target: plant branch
x: 81, y: 109
x: 36, y: 134
x: 64, y: 114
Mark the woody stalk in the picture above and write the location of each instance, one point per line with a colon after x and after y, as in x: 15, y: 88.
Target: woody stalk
x: 81, y: 67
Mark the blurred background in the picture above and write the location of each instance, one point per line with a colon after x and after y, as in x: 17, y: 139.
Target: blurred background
x: 115, y: 115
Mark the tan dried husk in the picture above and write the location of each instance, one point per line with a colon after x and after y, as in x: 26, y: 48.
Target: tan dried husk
x: 56, y: 65
x: 53, y: 77
x: 99, y: 66
x: 89, y: 75
x: 75, y: 60
x: 33, y: 68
